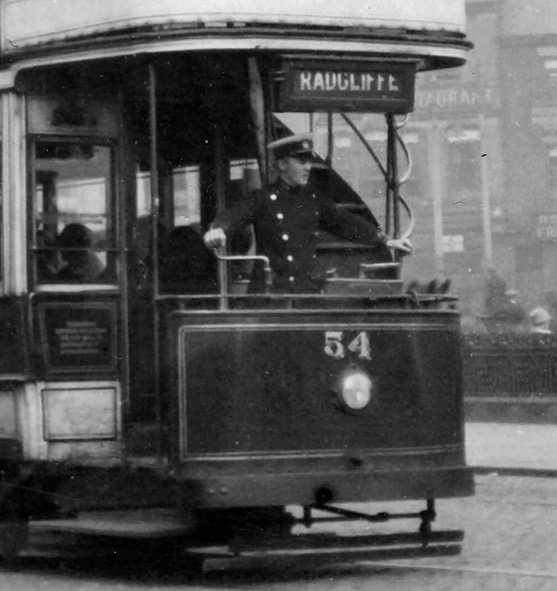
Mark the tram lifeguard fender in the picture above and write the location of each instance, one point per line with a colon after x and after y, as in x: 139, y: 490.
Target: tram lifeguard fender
x: 71, y: 19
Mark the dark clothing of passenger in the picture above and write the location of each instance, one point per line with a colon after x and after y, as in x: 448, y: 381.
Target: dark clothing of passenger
x: 186, y: 264
x: 81, y: 267
x: 286, y: 220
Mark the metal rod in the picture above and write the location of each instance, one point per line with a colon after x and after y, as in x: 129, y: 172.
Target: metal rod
x: 392, y: 167
x: 257, y: 103
x: 154, y: 181
x: 223, y: 279
x: 220, y: 182
x: 330, y: 140
x: 347, y: 514
x: 330, y: 150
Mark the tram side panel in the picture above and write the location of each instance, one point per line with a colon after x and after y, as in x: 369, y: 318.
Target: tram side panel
x: 264, y: 396
x: 14, y: 368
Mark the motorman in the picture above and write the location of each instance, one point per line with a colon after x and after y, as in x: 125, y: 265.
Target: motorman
x: 286, y: 216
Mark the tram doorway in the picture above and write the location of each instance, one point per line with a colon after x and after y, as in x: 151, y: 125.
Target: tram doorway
x: 190, y: 151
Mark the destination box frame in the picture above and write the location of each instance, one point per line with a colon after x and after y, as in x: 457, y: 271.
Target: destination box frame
x: 357, y: 76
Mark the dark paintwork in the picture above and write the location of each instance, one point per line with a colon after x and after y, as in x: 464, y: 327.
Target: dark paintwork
x: 252, y: 390
x: 256, y: 387
x: 13, y: 337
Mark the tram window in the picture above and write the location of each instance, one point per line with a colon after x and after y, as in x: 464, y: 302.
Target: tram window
x: 74, y: 221
x: 187, y: 195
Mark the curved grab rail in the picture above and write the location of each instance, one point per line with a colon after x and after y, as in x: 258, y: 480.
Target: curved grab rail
x: 412, y: 222
x: 407, y: 155
x: 403, y: 122
x: 223, y: 280
x: 409, y: 162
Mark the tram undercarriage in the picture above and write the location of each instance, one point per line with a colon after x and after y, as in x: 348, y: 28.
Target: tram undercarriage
x: 233, y: 532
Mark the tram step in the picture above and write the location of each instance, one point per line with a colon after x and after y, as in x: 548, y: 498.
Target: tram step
x: 324, y: 541
x: 330, y: 548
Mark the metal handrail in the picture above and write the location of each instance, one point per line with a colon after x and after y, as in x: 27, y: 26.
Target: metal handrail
x: 363, y: 267
x: 411, y: 222
x: 223, y: 276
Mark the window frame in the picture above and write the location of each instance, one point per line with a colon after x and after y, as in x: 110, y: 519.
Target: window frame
x: 113, y: 211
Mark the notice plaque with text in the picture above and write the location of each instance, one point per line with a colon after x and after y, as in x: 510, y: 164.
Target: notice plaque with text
x: 385, y: 87
x: 79, y: 337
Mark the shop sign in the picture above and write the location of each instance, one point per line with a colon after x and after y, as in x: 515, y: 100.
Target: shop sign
x: 307, y: 85
x: 459, y: 98
x: 546, y: 226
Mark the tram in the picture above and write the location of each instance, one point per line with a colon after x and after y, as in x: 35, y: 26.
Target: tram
x: 137, y: 371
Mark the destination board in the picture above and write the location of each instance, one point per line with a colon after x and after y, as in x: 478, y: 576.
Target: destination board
x: 307, y: 85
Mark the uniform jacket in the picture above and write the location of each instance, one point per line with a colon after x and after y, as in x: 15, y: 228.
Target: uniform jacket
x: 286, y: 221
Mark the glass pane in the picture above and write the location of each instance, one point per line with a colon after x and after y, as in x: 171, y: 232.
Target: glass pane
x: 187, y: 196
x: 74, y: 220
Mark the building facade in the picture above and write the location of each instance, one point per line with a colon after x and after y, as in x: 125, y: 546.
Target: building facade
x: 484, y: 142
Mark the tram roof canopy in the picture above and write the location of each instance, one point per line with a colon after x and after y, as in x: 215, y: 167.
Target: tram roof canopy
x: 28, y: 23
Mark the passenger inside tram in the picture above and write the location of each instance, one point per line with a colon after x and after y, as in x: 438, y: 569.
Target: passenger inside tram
x: 186, y: 265
x: 81, y: 264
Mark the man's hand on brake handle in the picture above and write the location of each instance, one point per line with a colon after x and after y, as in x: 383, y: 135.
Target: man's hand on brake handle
x: 215, y: 238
